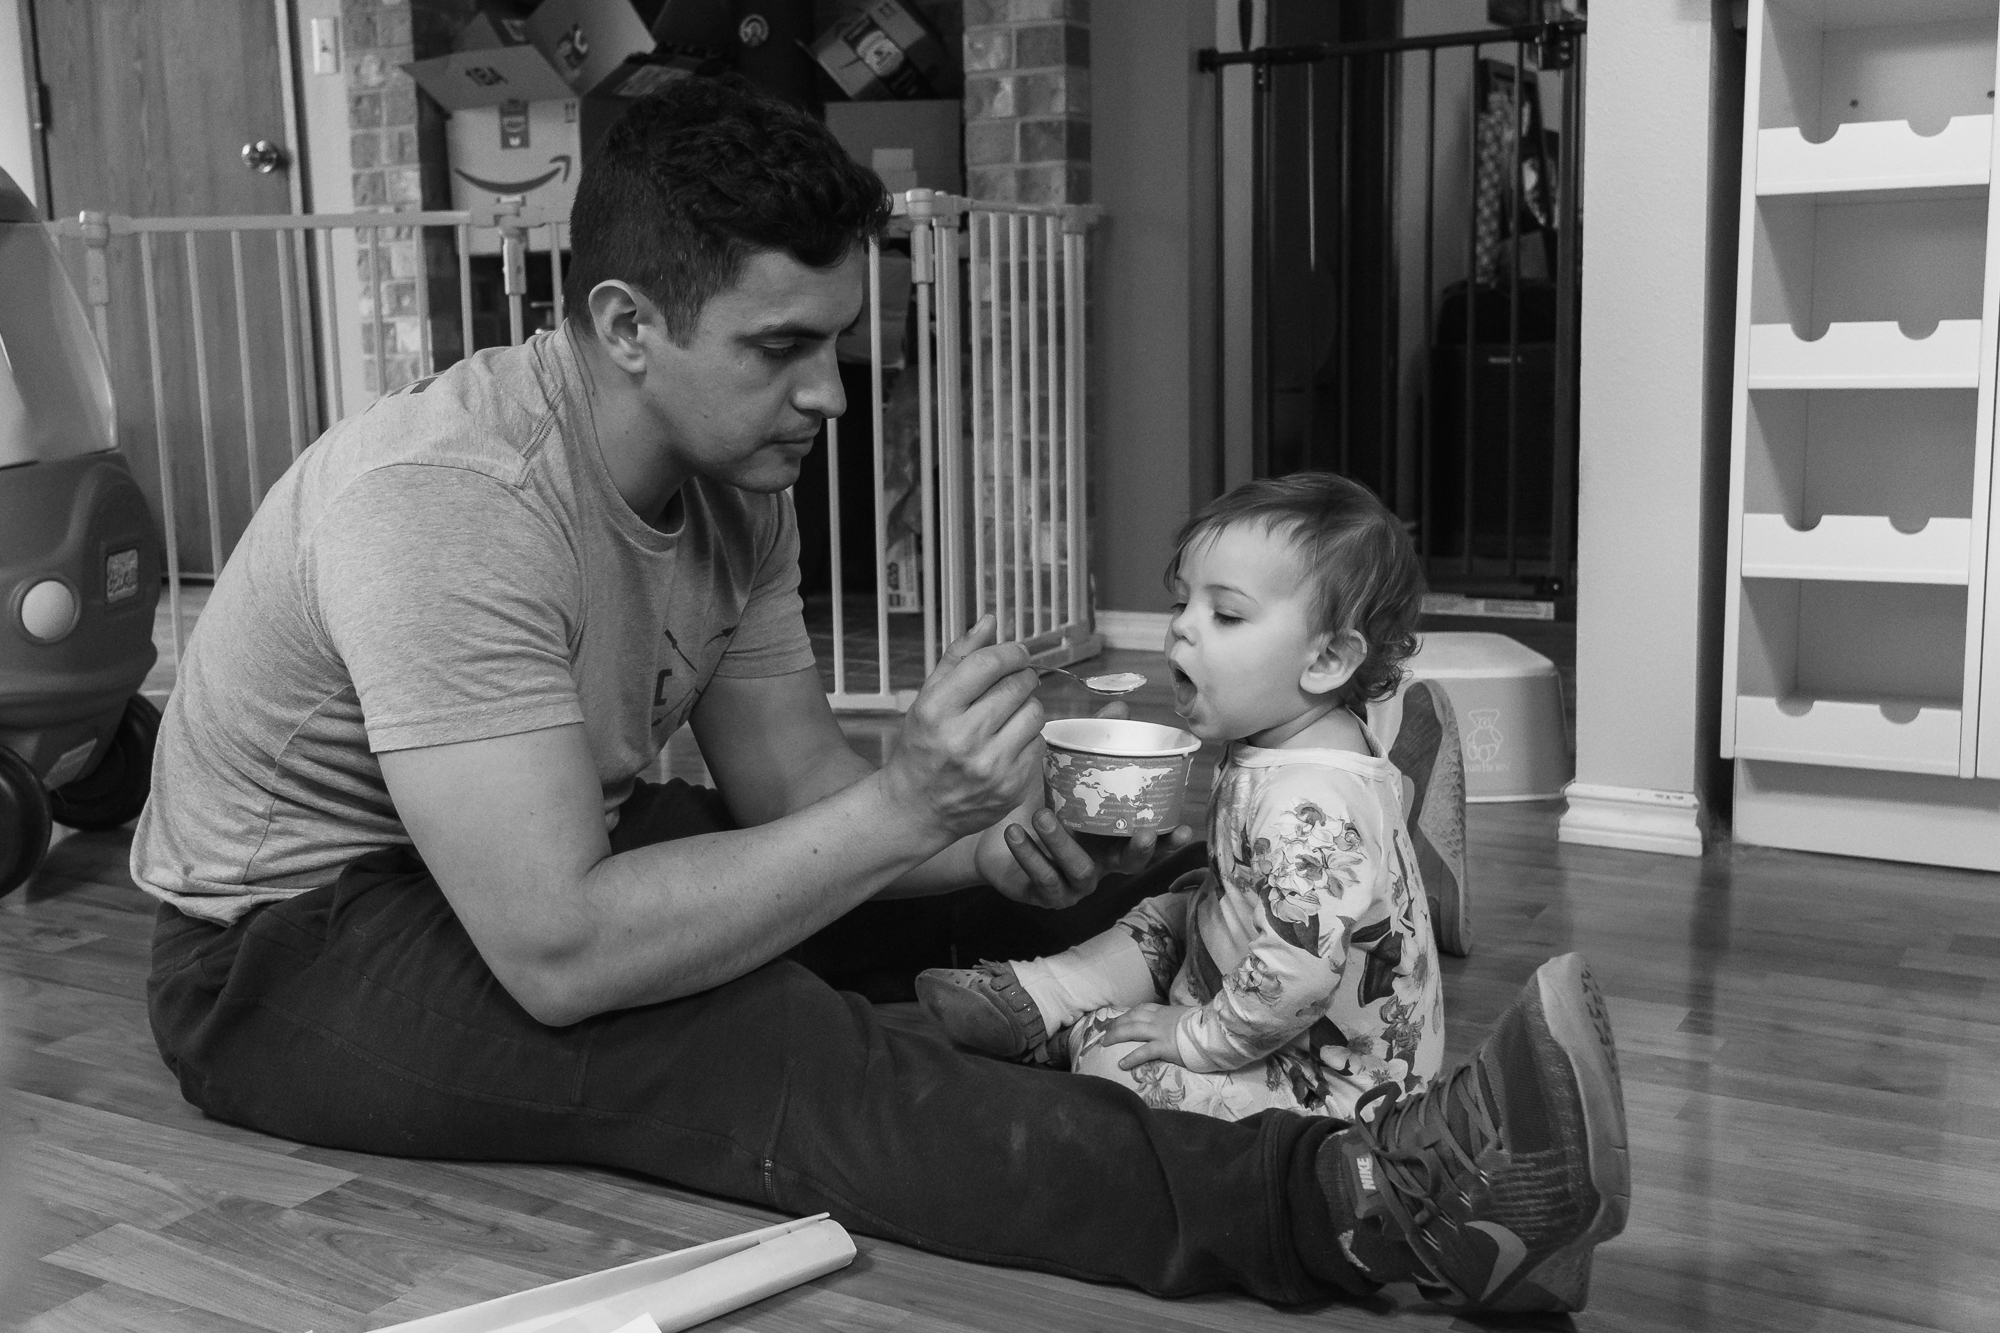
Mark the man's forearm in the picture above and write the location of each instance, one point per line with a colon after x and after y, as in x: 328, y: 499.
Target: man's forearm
x: 674, y: 918
x: 839, y: 768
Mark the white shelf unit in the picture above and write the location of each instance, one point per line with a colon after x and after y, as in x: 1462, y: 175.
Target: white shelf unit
x: 1856, y: 625
x: 1876, y: 155
x: 1875, y: 354
x: 1856, y: 548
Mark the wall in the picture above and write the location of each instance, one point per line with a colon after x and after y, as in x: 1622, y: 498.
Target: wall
x: 1153, y: 290
x: 1659, y: 166
x: 17, y: 154
x: 329, y: 188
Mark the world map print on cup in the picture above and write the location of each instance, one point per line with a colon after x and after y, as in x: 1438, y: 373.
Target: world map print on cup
x: 1116, y: 776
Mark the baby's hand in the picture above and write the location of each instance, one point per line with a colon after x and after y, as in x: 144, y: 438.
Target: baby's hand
x: 1153, y: 1024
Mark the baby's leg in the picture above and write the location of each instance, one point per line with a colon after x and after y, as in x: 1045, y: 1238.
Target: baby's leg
x: 1164, y: 1085
x: 1131, y: 963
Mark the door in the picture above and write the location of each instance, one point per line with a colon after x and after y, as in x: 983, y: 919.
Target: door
x: 150, y: 104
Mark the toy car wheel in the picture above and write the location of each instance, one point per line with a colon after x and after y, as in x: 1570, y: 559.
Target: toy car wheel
x: 24, y: 821
x: 114, y: 792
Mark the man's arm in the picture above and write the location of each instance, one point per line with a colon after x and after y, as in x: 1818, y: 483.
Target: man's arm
x: 774, y: 747
x: 513, y: 830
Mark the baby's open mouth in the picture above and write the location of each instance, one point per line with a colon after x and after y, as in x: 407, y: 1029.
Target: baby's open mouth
x: 1184, y: 689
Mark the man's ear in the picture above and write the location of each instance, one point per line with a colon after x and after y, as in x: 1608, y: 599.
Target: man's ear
x: 619, y: 314
x: 1339, y: 657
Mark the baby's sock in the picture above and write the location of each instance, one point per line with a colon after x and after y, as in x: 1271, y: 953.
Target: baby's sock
x: 1107, y: 969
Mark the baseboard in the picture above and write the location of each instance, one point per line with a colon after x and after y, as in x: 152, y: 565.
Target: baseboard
x: 1633, y: 818
x: 1144, y: 630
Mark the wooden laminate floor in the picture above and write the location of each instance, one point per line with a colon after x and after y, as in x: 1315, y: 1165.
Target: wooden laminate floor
x: 1811, y: 1048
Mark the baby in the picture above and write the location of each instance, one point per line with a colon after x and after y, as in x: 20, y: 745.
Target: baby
x: 1300, y: 969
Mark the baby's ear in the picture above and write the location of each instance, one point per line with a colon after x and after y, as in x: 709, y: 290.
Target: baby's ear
x: 1339, y: 657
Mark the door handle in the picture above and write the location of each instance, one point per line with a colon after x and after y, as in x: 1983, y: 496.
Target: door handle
x: 263, y: 156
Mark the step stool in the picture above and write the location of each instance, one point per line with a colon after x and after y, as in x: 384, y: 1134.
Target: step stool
x: 1510, y: 713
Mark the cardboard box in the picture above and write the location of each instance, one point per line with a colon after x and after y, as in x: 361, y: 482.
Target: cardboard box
x: 465, y: 80
x: 528, y: 151
x: 885, y: 49
x: 875, y: 133
x: 495, y: 24
x: 590, y: 42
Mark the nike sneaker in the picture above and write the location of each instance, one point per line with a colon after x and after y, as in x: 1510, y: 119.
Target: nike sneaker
x: 1503, y: 1178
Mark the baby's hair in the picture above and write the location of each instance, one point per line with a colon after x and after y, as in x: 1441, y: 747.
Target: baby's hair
x: 1359, y: 557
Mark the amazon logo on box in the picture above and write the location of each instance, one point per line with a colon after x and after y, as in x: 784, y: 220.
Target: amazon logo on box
x: 529, y: 151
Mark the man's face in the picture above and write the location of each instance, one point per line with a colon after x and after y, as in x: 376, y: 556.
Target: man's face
x: 742, y: 402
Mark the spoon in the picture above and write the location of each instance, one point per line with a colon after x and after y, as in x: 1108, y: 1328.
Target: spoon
x: 1115, y: 684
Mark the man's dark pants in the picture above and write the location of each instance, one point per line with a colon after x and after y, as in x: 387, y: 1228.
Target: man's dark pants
x: 360, y: 1016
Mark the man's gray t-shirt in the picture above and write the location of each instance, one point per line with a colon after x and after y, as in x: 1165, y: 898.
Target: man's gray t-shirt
x: 453, y: 564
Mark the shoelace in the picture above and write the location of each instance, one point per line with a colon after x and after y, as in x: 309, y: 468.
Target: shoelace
x: 1406, y: 1138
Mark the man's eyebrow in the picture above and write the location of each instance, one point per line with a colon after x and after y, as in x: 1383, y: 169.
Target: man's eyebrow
x: 799, y: 328
x: 790, y: 328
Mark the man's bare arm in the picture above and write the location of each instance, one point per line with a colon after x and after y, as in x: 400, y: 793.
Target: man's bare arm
x: 513, y: 830
x: 773, y: 747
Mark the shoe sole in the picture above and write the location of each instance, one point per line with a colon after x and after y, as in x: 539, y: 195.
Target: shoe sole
x: 1574, y: 1013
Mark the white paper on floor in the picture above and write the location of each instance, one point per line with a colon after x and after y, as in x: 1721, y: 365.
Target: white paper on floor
x: 667, y: 1292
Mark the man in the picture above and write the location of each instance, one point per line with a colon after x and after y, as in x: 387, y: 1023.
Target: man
x: 416, y: 902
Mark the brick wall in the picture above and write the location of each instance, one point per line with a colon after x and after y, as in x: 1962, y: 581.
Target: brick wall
x: 397, y: 154
x: 1027, y: 100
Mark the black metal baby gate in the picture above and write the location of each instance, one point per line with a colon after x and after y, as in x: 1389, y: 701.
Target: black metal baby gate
x: 1414, y: 259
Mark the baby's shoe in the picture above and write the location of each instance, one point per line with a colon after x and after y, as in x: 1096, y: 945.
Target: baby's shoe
x: 987, y: 1009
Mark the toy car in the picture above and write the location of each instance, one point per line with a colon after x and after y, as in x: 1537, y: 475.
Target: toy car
x: 79, y: 566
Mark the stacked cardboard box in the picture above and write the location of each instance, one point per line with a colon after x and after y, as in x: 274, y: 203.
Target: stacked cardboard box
x: 883, y: 49
x: 515, y: 79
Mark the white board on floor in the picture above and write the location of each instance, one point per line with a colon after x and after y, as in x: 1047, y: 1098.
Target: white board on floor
x: 671, y: 1291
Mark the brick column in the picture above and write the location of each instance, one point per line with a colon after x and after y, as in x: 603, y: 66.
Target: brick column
x: 1027, y: 100
x: 397, y: 155
x: 1027, y: 140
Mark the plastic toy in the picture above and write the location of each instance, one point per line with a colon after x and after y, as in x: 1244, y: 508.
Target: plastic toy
x: 80, y: 564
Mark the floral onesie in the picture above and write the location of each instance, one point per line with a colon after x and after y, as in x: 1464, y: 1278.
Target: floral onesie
x: 1305, y: 950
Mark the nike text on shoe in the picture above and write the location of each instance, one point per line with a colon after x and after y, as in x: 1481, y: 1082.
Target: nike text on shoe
x: 1504, y: 1177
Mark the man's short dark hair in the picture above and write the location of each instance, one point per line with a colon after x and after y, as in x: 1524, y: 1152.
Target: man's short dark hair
x: 698, y: 177
x: 1356, y: 553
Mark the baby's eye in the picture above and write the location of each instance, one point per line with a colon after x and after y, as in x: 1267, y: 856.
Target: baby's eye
x: 1178, y: 607
x: 1224, y: 618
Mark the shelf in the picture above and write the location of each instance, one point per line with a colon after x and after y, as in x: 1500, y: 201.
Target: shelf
x: 1876, y: 155
x: 1904, y: 735
x: 1871, y: 355
x: 1856, y: 548
x: 1840, y: 15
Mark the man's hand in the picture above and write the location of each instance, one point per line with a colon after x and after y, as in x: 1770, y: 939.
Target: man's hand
x: 1152, y: 1024
x: 1055, y: 867
x: 971, y: 747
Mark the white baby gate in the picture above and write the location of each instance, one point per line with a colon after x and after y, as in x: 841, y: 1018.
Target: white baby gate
x: 977, y: 495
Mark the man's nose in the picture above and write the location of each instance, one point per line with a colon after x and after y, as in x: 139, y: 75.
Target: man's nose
x: 820, y: 394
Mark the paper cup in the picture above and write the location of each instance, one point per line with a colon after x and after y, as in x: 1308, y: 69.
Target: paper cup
x: 1112, y: 775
